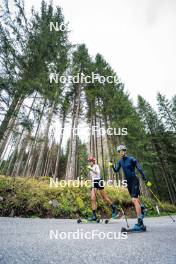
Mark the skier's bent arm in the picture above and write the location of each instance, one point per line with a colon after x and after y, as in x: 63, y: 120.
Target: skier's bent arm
x: 116, y: 167
x: 138, y: 166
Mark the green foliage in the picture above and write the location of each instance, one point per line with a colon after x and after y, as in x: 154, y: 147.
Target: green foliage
x: 27, y: 197
x: 159, y: 144
x: 164, y: 207
x: 166, y: 111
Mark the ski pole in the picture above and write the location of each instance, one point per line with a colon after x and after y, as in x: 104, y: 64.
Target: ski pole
x: 160, y: 203
x: 125, y: 217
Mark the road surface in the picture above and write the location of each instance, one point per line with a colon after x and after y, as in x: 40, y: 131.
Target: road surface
x: 50, y: 241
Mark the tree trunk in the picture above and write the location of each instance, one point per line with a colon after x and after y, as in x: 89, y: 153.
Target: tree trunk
x: 71, y: 169
x: 49, y: 158
x: 71, y: 138
x: 91, y: 134
x: 6, y: 147
x: 8, y: 121
x: 23, y: 142
x: 102, y: 149
x: 27, y: 167
x: 18, y: 163
x: 109, y: 154
x: 96, y: 141
x: 14, y: 153
x: 39, y: 167
x: 60, y: 146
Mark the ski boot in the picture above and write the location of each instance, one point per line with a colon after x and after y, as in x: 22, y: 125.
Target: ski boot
x: 139, y: 227
x: 143, y: 211
x: 115, y: 213
x: 92, y: 218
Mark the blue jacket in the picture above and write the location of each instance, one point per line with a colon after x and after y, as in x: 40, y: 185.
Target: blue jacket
x: 129, y: 164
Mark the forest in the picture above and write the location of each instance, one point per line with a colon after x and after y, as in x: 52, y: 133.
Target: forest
x: 38, y: 117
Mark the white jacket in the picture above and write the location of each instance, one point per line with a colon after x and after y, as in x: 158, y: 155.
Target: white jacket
x: 95, y: 172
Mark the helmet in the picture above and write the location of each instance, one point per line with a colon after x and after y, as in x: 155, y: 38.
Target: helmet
x: 121, y: 147
x: 91, y: 159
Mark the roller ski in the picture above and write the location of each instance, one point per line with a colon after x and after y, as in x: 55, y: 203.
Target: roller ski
x: 135, y: 229
x: 93, y: 219
x: 86, y: 221
x: 138, y: 228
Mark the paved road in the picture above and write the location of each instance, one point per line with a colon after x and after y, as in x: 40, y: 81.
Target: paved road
x: 48, y: 241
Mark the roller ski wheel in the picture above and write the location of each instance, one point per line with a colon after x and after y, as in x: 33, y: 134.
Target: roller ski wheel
x: 79, y: 221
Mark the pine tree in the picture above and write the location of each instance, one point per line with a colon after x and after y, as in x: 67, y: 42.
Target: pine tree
x: 156, y: 134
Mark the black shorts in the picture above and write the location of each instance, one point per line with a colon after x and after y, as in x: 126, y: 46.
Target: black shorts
x: 98, y: 184
x: 133, y: 187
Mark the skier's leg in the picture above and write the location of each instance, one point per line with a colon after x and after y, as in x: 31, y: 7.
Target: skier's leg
x: 93, y: 203
x: 142, y: 208
x: 106, y: 199
x: 135, y: 192
x: 137, y: 206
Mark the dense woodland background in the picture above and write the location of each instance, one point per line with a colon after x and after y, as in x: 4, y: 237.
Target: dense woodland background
x: 31, y: 107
